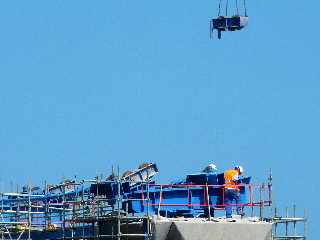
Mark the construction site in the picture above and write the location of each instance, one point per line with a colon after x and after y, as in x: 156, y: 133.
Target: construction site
x: 133, y: 206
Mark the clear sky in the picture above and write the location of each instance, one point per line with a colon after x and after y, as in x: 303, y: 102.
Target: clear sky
x: 88, y: 84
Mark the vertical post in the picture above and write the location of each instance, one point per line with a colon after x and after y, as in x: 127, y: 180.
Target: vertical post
x: 63, y: 211
x: 148, y: 202
x: 223, y: 197
x: 219, y: 34
x: 251, y: 200
x: 294, y: 223
x: 75, y: 201
x: 29, y: 211
x: 118, y: 206
x: 270, y: 187
x: 127, y: 222
x: 72, y: 224
x: 260, y: 202
x: 305, y: 224
x: 45, y: 206
x: 208, y: 202
x: 287, y: 215
x: 82, y: 203
x: 160, y: 200
x: 263, y: 199
x: 276, y: 224
x: 97, y: 203
x: 17, y: 211
x: 2, y: 235
x: 1, y: 186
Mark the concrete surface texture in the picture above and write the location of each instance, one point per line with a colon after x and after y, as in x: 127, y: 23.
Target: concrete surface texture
x: 193, y: 229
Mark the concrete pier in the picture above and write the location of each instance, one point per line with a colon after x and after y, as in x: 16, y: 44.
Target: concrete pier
x: 216, y: 229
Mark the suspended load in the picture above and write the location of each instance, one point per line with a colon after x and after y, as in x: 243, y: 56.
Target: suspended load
x: 238, y: 20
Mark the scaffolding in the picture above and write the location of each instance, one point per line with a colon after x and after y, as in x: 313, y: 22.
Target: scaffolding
x: 83, y: 209
x: 287, y: 227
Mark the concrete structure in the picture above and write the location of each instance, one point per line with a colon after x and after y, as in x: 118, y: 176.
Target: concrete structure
x: 216, y: 229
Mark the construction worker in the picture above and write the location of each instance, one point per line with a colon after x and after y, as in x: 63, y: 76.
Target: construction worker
x: 211, y: 168
x: 231, y: 190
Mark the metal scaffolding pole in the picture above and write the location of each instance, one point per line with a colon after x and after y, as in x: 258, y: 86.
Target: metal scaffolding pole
x: 29, y: 212
x: 118, y: 204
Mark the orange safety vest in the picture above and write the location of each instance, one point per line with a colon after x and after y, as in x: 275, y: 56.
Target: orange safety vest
x: 230, y: 178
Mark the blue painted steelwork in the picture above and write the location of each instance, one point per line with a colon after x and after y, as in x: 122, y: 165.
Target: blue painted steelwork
x: 223, y: 23
x: 58, y: 207
x: 230, y: 22
x: 190, y: 198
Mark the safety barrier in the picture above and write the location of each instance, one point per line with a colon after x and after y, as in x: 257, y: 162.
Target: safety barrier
x: 189, y: 199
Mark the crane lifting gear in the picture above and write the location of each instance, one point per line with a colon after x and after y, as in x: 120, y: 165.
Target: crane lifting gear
x: 229, y: 23
x: 220, y: 24
x: 237, y: 23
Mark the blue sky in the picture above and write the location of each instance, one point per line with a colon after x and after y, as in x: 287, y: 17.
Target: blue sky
x: 90, y: 84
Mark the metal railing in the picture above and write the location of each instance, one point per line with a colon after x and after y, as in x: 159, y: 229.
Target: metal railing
x: 258, y: 196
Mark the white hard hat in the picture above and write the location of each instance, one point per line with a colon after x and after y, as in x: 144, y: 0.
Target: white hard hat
x: 240, y: 168
x: 212, y: 166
